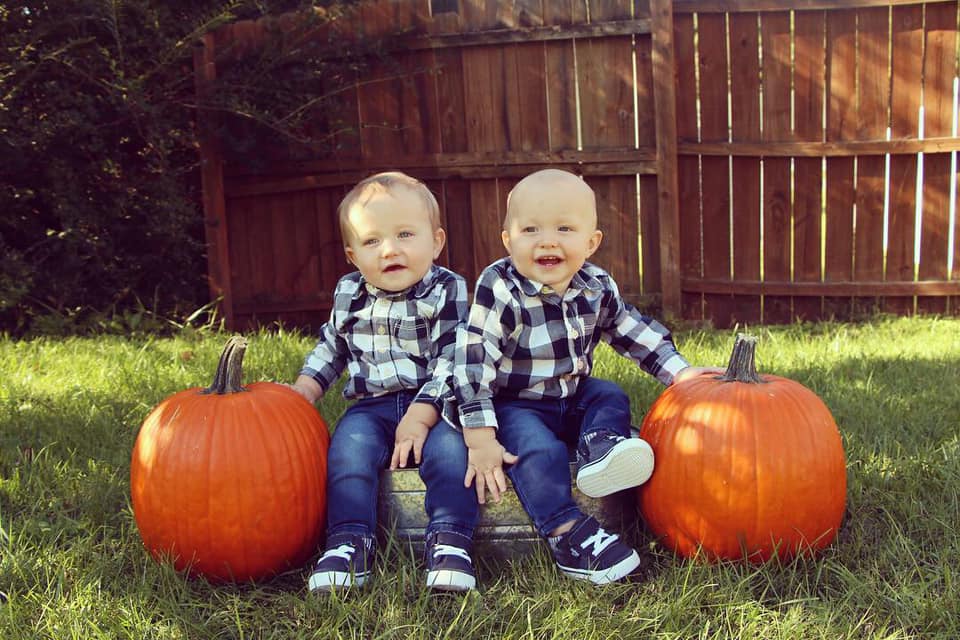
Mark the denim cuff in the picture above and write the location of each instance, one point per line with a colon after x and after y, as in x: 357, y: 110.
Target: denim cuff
x: 448, y: 527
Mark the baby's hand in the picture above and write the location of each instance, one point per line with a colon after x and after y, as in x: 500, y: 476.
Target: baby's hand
x: 485, y: 460
x: 308, y: 388
x: 412, y: 432
x: 693, y: 372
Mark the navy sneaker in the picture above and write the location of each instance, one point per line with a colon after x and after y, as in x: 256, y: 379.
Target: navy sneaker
x: 449, y: 566
x: 587, y: 552
x: 607, y: 462
x: 347, y: 562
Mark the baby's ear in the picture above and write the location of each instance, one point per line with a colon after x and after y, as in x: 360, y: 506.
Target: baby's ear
x: 595, y: 239
x: 505, y: 238
x: 439, y: 239
x: 349, y: 253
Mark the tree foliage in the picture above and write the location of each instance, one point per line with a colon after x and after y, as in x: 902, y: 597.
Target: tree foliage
x: 99, y: 182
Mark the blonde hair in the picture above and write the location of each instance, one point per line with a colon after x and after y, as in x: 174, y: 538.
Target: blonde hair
x: 384, y: 183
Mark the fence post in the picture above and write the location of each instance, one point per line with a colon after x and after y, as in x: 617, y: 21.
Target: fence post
x: 211, y: 179
x: 664, y: 95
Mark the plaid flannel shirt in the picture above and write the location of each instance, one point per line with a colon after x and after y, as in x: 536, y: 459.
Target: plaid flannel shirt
x: 392, y: 341
x: 526, y: 341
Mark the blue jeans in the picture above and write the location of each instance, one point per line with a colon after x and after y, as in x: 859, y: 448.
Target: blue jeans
x: 541, y: 433
x: 360, y: 450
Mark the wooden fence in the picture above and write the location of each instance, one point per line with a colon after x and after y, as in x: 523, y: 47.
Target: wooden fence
x: 754, y: 161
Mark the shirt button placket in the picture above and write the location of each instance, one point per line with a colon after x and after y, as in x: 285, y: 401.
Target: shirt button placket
x: 381, y: 319
x: 573, y: 333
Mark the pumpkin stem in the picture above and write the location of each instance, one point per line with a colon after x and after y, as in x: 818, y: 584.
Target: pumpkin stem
x: 229, y: 376
x: 742, y: 366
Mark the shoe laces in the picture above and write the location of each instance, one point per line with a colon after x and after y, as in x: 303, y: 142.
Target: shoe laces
x: 593, y: 435
x: 344, y: 551
x: 599, y: 541
x: 450, y: 550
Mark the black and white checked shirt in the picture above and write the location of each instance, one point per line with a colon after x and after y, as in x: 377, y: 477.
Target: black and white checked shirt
x: 391, y: 341
x: 525, y: 341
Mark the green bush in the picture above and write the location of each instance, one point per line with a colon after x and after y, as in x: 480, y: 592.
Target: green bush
x: 99, y: 184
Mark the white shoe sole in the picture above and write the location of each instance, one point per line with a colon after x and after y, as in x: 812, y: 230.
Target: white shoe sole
x: 446, y: 580
x: 617, y: 572
x: 330, y: 580
x: 628, y: 464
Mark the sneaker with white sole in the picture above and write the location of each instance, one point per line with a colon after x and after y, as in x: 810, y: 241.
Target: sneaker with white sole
x: 588, y: 552
x: 347, y: 562
x: 449, y: 565
x: 607, y: 462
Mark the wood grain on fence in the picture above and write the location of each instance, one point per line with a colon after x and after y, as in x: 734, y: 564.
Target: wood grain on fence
x: 847, y: 192
x: 753, y: 160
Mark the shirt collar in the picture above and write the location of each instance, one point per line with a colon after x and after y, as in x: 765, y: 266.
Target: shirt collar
x: 418, y: 290
x: 583, y: 280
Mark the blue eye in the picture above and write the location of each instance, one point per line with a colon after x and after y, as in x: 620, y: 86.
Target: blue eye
x: 529, y: 229
x: 565, y: 228
x: 405, y: 234
x: 369, y: 242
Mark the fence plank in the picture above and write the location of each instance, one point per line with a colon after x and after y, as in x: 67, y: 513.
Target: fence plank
x: 646, y: 109
x: 455, y: 201
x: 605, y: 10
x: 378, y: 95
x: 486, y: 216
x: 714, y: 172
x: 564, y: 12
x: 526, y: 95
x: 215, y: 221
x: 873, y: 98
x: 688, y: 167
x: 479, y: 15
x: 257, y: 250
x: 483, y: 99
x: 664, y: 65
x: 605, y: 76
x: 617, y: 218
x: 528, y: 13
x: 939, y: 73
x: 775, y: 34
x: 289, y: 226
x: 953, y: 303
x: 906, y: 40
x: 647, y: 189
x: 379, y: 109
x: 745, y: 120
x: 649, y: 237
x: 329, y: 247
x: 808, y: 79
x: 840, y: 126
x: 561, y: 76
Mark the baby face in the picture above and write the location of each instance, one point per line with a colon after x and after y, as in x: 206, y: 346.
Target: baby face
x: 392, y: 241
x: 551, y: 227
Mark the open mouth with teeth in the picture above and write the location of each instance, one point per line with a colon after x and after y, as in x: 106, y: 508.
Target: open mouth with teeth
x: 549, y: 261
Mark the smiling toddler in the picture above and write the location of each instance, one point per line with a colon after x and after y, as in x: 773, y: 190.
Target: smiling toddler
x: 523, y: 383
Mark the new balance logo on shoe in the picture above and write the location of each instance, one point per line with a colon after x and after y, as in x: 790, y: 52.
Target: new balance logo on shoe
x: 587, y: 552
x: 599, y: 541
x: 347, y: 562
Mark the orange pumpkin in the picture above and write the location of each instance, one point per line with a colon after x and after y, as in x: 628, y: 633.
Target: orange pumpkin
x: 747, y: 466
x: 229, y: 482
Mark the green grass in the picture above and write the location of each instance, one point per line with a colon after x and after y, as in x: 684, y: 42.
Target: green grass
x: 72, y: 566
